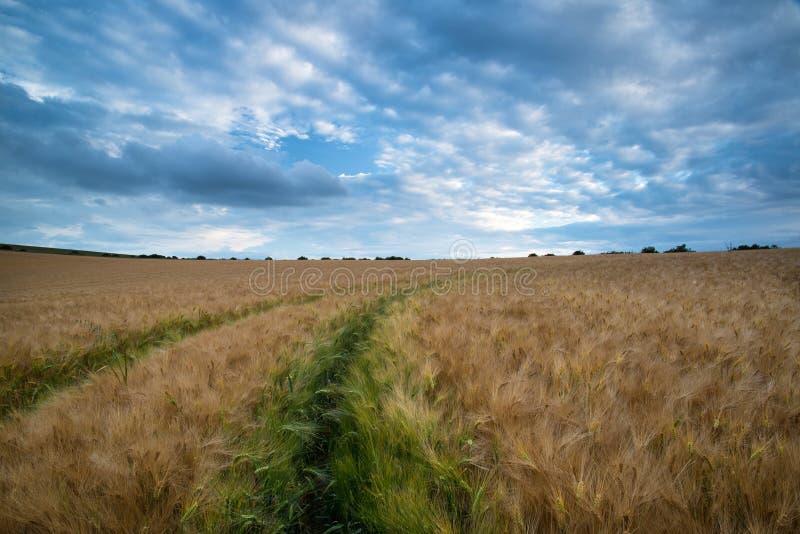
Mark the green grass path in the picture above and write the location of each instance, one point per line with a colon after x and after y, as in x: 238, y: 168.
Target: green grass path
x: 333, y: 448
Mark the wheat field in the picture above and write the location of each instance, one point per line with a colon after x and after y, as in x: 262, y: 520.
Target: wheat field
x: 55, y: 302
x: 638, y: 393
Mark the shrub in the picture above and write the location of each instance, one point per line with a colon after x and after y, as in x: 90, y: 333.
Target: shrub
x: 324, y: 258
x: 200, y: 257
x: 578, y: 253
x: 268, y: 258
x: 348, y: 258
x: 6, y: 247
x: 302, y: 258
x: 532, y: 255
x: 679, y: 248
x: 549, y: 254
x: 649, y: 250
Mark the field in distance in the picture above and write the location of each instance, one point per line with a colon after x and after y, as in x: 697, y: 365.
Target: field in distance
x: 591, y: 393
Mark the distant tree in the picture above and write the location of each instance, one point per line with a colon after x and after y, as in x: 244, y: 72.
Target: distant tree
x: 549, y: 254
x: 268, y: 258
x: 363, y: 259
x: 233, y: 258
x: 533, y: 255
x: 649, y: 250
x: 324, y: 258
x: 6, y: 247
x: 348, y: 258
x: 247, y: 259
x: 174, y: 257
x: 302, y: 258
x: 200, y: 257
x: 679, y: 248
x: 754, y: 246
x: 578, y: 253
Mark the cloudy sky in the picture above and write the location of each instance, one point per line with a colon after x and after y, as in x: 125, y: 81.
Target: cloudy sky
x: 374, y: 128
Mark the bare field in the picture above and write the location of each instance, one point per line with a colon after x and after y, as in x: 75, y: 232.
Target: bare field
x: 609, y: 393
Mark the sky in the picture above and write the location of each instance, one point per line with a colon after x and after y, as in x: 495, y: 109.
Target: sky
x: 372, y: 128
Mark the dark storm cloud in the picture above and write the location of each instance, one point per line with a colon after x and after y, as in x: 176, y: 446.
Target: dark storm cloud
x: 45, y: 140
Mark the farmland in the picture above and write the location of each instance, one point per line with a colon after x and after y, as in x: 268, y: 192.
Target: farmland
x: 594, y: 393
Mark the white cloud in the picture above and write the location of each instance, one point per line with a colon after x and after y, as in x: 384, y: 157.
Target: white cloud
x: 635, y: 154
x: 357, y: 177
x: 39, y: 91
x: 332, y: 132
x: 50, y: 231
x: 221, y: 238
x: 322, y: 40
x: 499, y: 219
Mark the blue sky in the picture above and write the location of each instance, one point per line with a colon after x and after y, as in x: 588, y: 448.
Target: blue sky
x: 372, y: 128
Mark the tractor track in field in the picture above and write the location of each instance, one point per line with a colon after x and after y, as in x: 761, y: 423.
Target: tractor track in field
x: 310, y: 429
x: 22, y: 386
x: 294, y: 486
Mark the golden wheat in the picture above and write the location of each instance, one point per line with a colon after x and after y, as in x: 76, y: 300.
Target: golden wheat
x: 630, y: 393
x: 627, y: 392
x: 130, y: 456
x: 53, y: 302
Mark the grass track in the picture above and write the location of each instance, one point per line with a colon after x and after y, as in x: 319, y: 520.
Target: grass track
x: 22, y: 386
x: 279, y: 480
x: 397, y: 465
x: 342, y: 443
